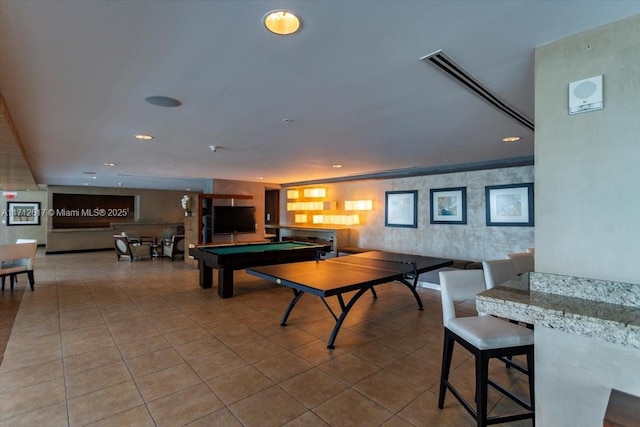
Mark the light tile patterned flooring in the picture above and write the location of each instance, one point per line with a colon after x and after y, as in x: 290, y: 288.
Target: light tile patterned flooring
x: 106, y: 343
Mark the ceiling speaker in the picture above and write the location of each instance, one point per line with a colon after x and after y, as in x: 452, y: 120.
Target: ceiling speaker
x: 585, y: 95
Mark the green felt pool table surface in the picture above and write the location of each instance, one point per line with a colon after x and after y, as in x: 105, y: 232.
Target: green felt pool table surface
x: 227, y: 258
x: 255, y: 247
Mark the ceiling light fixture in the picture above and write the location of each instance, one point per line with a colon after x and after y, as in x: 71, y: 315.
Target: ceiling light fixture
x: 213, y: 148
x: 511, y: 139
x: 144, y: 137
x: 336, y: 166
x: 282, y: 22
x: 110, y: 164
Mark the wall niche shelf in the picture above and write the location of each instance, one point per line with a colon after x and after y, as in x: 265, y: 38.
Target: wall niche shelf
x: 335, y: 235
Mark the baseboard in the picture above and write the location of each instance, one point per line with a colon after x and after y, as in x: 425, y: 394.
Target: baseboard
x: 73, y: 251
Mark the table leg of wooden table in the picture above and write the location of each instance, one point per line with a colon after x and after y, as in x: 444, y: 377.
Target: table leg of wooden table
x: 225, y: 282
x: 206, y: 275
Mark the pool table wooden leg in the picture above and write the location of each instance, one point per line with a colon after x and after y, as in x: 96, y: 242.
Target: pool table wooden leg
x: 206, y: 275
x: 225, y: 282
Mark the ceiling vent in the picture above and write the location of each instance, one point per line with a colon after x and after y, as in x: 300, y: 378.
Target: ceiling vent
x: 457, y: 72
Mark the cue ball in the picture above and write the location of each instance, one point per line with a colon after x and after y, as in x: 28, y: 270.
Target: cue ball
x: 278, y: 281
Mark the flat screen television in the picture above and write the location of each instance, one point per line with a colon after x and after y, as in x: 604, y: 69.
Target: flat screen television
x: 234, y: 219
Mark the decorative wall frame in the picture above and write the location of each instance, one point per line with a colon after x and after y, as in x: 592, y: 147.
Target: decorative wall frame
x: 401, y: 209
x: 509, y: 205
x: 448, y: 205
x: 23, y: 213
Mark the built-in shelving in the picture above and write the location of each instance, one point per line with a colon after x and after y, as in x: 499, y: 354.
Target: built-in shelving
x: 336, y: 236
x: 205, y: 209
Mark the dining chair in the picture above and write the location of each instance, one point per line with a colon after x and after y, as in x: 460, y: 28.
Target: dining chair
x: 498, y: 271
x: 486, y: 337
x: 15, y: 278
x: 523, y: 262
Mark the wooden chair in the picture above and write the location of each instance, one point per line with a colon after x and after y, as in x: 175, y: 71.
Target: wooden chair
x: 486, y: 337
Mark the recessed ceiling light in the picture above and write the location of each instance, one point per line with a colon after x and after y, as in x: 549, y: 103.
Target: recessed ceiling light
x: 110, y: 164
x: 260, y: 177
x: 287, y: 121
x: 282, y: 22
x: 336, y: 166
x: 163, y: 101
x: 511, y: 139
x: 213, y: 148
x: 144, y: 137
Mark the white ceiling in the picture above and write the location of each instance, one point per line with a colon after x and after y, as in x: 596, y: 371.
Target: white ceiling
x: 74, y: 75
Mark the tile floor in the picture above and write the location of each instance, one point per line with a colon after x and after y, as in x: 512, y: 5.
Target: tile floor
x: 106, y: 343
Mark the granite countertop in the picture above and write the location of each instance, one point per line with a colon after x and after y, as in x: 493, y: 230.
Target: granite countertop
x: 614, y: 323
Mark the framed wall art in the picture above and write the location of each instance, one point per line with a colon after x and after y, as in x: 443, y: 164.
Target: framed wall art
x: 509, y: 205
x: 23, y: 213
x: 401, y: 209
x: 449, y: 205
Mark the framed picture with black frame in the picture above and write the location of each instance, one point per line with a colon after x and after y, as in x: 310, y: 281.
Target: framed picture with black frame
x: 448, y: 205
x: 510, y: 205
x: 401, y: 209
x: 23, y: 213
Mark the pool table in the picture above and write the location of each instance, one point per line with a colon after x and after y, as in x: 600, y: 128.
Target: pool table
x: 228, y: 258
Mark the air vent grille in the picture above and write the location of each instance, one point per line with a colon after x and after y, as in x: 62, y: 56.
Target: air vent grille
x: 447, y: 65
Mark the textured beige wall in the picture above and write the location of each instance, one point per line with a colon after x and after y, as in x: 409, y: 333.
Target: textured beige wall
x: 473, y: 241
x: 587, y: 211
x: 588, y: 165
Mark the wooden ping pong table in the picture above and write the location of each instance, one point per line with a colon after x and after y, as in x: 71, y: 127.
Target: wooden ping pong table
x: 337, y: 276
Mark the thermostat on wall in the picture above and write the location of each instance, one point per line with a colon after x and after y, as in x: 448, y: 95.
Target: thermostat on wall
x: 585, y: 95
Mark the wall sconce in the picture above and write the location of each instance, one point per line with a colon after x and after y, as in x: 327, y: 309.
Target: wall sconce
x: 351, y: 219
x: 310, y: 206
x: 315, y: 192
x: 293, y: 194
x: 301, y: 218
x: 358, y: 205
x: 336, y: 219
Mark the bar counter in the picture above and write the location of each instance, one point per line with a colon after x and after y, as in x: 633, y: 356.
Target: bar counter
x: 602, y: 314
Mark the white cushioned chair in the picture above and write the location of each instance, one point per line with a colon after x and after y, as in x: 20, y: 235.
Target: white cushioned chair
x: 485, y: 337
x: 498, y: 271
x: 17, y: 259
x: 26, y: 241
x: 174, y: 247
x: 125, y: 248
x: 523, y: 262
